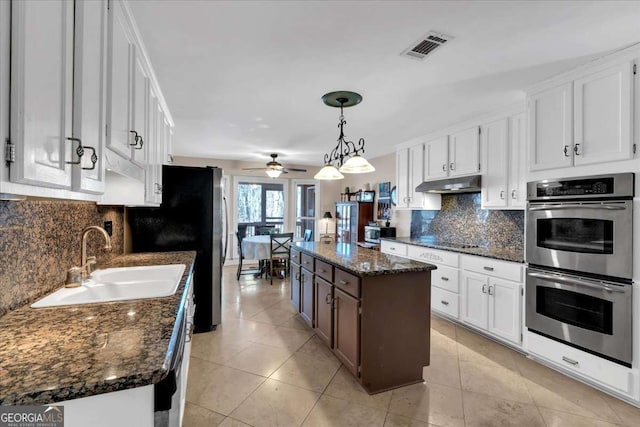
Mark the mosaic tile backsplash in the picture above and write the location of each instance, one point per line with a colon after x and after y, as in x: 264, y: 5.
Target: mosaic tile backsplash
x: 461, y: 220
x: 40, y: 240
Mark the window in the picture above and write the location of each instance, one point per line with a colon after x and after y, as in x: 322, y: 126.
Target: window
x: 305, y: 209
x: 260, y: 204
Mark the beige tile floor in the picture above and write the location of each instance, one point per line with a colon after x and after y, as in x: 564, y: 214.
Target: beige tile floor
x: 264, y: 367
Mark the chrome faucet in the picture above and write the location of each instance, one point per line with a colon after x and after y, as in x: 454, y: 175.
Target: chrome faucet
x: 87, y: 262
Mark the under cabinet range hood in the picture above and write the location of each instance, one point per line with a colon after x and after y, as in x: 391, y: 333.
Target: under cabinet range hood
x: 463, y: 184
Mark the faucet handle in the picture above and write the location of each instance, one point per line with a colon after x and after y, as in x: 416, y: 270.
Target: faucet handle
x: 88, y: 267
x: 74, y: 277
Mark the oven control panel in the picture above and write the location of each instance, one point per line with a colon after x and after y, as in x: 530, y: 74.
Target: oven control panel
x: 617, y: 185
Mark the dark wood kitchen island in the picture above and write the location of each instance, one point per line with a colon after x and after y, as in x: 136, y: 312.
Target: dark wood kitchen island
x: 372, y: 309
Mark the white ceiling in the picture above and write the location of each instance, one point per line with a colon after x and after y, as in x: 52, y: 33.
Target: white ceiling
x: 244, y: 78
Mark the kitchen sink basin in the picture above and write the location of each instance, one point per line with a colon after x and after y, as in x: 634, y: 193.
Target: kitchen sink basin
x: 119, y: 284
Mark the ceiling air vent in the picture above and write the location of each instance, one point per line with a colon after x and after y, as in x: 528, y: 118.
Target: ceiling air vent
x: 426, y: 45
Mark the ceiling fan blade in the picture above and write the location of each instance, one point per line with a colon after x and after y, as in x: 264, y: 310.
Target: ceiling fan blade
x: 295, y: 170
x: 254, y: 169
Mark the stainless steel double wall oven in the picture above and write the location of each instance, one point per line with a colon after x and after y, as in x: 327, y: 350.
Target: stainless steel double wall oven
x: 579, y: 247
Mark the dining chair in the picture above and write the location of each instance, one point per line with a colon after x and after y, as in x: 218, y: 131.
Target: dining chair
x: 308, y: 235
x: 252, y: 270
x: 280, y: 253
x: 262, y: 230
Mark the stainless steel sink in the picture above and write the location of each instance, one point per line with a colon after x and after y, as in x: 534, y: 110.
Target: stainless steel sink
x: 119, y: 284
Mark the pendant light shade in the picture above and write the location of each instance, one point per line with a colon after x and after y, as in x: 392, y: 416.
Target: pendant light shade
x: 328, y: 172
x: 357, y: 164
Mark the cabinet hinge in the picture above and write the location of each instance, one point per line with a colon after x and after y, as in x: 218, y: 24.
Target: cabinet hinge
x: 522, y: 291
x: 9, y: 152
x: 521, y: 338
x: 106, y: 131
x: 108, y: 4
x: 478, y: 167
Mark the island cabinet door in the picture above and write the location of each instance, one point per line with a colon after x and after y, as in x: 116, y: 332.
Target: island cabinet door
x: 295, y: 286
x: 346, y: 337
x: 323, y: 313
x: 306, y: 296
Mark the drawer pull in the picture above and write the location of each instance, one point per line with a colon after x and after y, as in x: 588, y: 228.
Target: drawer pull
x: 306, y: 262
x: 488, y: 268
x: 446, y: 279
x: 570, y: 361
x: 343, y: 282
x: 445, y: 302
x: 323, y: 271
x: 392, y: 248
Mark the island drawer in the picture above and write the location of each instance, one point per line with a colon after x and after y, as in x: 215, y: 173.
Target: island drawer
x: 445, y: 302
x: 492, y: 267
x: 306, y: 261
x: 324, y: 270
x: 394, y: 248
x: 420, y: 253
x: 347, y: 282
x: 446, y: 278
x: 295, y: 256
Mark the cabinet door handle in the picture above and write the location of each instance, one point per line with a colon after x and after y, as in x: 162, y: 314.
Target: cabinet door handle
x: 576, y: 149
x: 343, y: 282
x: 322, y: 270
x: 444, y: 302
x: 190, y: 333
x: 444, y: 167
x: 570, y: 361
x: 444, y: 278
x: 79, y: 151
x: 513, y: 194
x: 566, y: 151
x: 451, y: 166
x: 328, y: 299
x: 158, y: 188
x: 138, y: 142
x: 488, y: 268
x: 490, y: 287
x: 94, y: 158
x: 502, y: 195
x: 297, y: 276
x: 484, y: 289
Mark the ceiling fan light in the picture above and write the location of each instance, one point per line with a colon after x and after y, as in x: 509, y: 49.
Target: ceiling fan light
x: 328, y: 172
x: 357, y: 164
x: 273, y: 173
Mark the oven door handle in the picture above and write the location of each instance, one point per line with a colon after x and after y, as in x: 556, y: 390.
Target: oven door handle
x: 577, y: 206
x: 577, y: 282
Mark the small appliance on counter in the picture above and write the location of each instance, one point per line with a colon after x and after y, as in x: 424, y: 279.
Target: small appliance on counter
x: 373, y: 233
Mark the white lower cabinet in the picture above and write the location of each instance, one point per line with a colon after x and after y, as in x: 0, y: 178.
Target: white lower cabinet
x: 594, y: 369
x: 491, y: 297
x: 445, y: 302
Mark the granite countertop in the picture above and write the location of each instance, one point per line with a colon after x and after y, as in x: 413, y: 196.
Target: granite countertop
x: 505, y: 253
x: 61, y: 353
x: 361, y: 261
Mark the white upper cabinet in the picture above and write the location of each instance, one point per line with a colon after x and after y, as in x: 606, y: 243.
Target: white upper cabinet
x: 89, y: 93
x: 151, y: 189
x: 403, y: 173
x: 121, y: 56
x: 41, y: 92
x: 602, y: 116
x: 495, y: 141
x: 464, y: 152
x: 436, y: 158
x: 141, y: 111
x: 416, y: 157
x: 517, y: 165
x: 550, y: 128
x: 582, y: 122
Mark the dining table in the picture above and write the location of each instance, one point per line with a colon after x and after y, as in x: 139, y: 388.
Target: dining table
x: 259, y: 247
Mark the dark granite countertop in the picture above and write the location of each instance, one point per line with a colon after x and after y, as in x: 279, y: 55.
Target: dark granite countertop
x: 362, y: 261
x: 62, y: 353
x: 508, y: 253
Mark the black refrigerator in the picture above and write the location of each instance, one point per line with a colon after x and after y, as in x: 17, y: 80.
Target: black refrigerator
x: 192, y: 217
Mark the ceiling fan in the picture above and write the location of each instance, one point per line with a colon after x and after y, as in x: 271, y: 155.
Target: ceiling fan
x: 275, y: 168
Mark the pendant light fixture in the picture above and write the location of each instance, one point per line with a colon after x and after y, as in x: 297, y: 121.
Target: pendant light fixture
x: 345, y: 157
